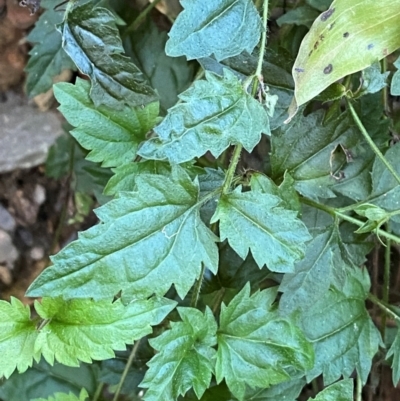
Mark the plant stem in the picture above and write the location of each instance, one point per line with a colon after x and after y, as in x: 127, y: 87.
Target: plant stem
x: 140, y: 18
x: 359, y: 388
x: 384, y: 307
x: 336, y: 213
x: 232, y: 168
x: 386, y: 283
x: 98, y: 391
x: 197, y: 288
x: 263, y: 38
x: 126, y: 369
x: 371, y: 143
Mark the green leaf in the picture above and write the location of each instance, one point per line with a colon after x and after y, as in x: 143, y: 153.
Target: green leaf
x: 373, y: 79
x: 168, y: 75
x: 320, y: 5
x: 66, y: 397
x: 148, y: 240
x: 395, y: 84
x: 112, y: 135
x: 255, y: 346
x: 17, y: 337
x: 185, y: 357
x: 253, y: 220
x: 43, y: 380
x: 313, y: 153
x: 302, y: 15
x: 348, y: 339
x: 340, y: 391
x: 224, y: 28
x: 345, y: 39
x: 47, y: 57
x: 213, y: 115
x: 91, y: 39
x: 82, y: 329
x: 395, y: 351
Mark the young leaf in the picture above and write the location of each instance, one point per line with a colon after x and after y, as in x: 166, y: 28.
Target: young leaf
x: 47, y: 57
x: 253, y: 220
x: 255, y: 346
x: 346, y: 341
x: 82, y: 329
x: 91, y: 39
x: 305, y: 148
x: 224, y: 28
x: 66, y: 397
x: 346, y: 38
x: 112, y: 135
x: 340, y: 391
x: 17, y: 337
x: 213, y: 115
x: 43, y: 380
x: 185, y: 357
x: 148, y: 240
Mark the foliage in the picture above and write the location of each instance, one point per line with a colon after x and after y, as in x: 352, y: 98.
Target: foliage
x: 232, y: 253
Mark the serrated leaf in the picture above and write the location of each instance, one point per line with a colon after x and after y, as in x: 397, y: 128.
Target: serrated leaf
x: 255, y: 346
x: 254, y: 221
x: 312, y: 152
x: 341, y: 330
x: 148, y: 240
x: 112, y: 136
x: 66, y: 397
x: 90, y: 37
x: 17, y: 337
x: 395, y: 351
x: 373, y: 79
x: 43, y: 380
x: 346, y: 38
x: 224, y: 28
x: 395, y: 84
x: 168, y: 75
x: 83, y: 330
x: 185, y: 357
x: 213, y: 115
x: 340, y: 391
x: 47, y: 57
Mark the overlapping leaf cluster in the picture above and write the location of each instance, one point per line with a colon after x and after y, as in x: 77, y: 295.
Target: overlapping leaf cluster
x: 269, y: 260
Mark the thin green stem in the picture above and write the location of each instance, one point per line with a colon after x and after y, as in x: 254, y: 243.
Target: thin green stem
x: 98, y: 391
x: 359, y: 388
x: 384, y: 307
x: 140, y: 18
x: 371, y: 143
x: 126, y: 369
x: 263, y: 38
x: 197, y: 288
x: 232, y: 168
x: 386, y: 281
x: 338, y: 214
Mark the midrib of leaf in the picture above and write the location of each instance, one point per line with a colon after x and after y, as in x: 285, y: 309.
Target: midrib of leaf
x: 262, y: 228
x: 214, y: 16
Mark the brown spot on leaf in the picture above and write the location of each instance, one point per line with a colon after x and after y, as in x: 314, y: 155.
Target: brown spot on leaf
x: 328, y: 69
x: 299, y: 69
x: 346, y: 35
x: 325, y: 15
x: 316, y: 44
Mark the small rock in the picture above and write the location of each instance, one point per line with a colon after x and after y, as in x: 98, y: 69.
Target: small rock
x: 39, y: 194
x: 7, y: 222
x: 8, y: 252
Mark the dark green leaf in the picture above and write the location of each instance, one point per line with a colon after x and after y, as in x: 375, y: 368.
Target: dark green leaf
x: 91, y: 39
x: 148, y: 240
x: 185, y: 358
x: 286, y: 391
x: 302, y: 15
x: 341, y: 330
x: 254, y: 221
x: 320, y: 5
x: 255, y: 346
x: 213, y: 115
x: 224, y: 28
x: 168, y: 75
x: 395, y: 351
x: 112, y: 136
x: 340, y: 391
x: 313, y: 152
x: 48, y: 58
x: 43, y: 380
